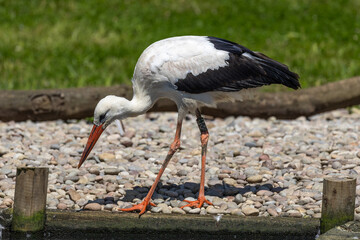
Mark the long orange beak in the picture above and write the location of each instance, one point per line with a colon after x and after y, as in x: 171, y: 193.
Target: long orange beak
x: 94, y: 136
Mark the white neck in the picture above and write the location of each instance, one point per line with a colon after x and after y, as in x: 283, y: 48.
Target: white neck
x: 139, y: 105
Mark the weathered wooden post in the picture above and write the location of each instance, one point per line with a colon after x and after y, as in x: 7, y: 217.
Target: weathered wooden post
x: 338, y: 202
x: 30, y: 199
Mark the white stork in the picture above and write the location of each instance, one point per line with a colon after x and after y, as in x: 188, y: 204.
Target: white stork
x: 192, y: 71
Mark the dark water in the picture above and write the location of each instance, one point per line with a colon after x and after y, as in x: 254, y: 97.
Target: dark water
x: 76, y: 235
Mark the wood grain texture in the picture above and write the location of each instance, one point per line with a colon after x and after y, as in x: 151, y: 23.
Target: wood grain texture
x: 78, y: 103
x: 30, y: 199
x: 338, y: 203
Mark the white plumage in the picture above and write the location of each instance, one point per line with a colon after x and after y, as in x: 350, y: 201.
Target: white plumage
x: 164, y: 62
x: 192, y: 71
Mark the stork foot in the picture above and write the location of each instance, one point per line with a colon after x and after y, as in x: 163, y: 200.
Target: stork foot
x: 139, y: 207
x: 197, y: 203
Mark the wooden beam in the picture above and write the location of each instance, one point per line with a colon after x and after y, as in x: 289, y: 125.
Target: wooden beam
x: 78, y: 103
x: 30, y: 199
x: 338, y: 202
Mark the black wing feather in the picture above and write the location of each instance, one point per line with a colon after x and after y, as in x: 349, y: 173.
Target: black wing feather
x: 241, y: 72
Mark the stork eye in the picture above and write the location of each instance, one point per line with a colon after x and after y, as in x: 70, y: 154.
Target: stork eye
x: 102, y: 118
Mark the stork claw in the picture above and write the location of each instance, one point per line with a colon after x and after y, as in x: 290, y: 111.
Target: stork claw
x: 197, y: 203
x: 141, y: 207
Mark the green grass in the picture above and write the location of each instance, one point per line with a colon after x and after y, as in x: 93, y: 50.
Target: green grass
x: 57, y: 44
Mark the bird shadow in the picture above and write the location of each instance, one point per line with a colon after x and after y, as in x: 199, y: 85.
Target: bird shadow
x: 185, y: 190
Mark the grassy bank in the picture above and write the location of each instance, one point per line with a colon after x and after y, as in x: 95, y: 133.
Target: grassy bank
x: 56, y: 44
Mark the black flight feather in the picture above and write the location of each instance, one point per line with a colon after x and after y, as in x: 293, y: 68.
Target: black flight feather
x: 242, y: 72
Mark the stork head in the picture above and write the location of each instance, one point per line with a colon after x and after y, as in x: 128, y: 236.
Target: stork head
x: 107, y: 110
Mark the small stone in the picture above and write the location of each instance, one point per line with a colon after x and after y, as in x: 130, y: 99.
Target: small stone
x: 111, y: 171
x: 336, y: 165
x: 61, y: 206
x: 187, y: 209
x: 55, y: 146
x: 166, y: 210
x: 106, y: 157
x: 94, y: 170
x: 93, y: 207
x: 126, y: 142
x: 357, y: 210
x: 6, y: 170
x: 232, y: 205
x: 182, y: 172
x: 109, y: 207
x: 8, y: 202
x: 250, y: 144
x: 183, y: 203
x: 349, y: 166
x: 294, y: 213
x: 264, y: 157
x: 195, y: 210
x: 83, y: 180
x: 75, y: 196
x: 174, y: 203
x: 255, y: 134
x: 264, y: 193
x: 237, y: 212
x: 272, y: 212
x: 218, y: 201
x: 111, y: 187
x: 194, y: 187
x: 254, y: 179
x: 250, y: 211
x: 238, y: 198
x: 230, y: 181
x: 171, y: 194
x: 213, y: 210
x: 177, y: 210
x: 156, y: 209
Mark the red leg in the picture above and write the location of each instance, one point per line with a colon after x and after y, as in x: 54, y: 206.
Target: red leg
x: 173, y: 148
x: 204, y: 140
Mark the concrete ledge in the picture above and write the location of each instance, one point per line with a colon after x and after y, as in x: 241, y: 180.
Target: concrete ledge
x: 179, y: 226
x: 348, y: 231
x: 107, y: 225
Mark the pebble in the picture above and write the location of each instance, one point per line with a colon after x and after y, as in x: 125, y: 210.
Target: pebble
x: 61, y: 206
x: 336, y: 165
x: 93, y: 206
x: 264, y: 193
x: 272, y: 212
x: 294, y: 213
x: 111, y: 171
x: 255, y: 166
x: 254, y: 179
x: 75, y: 196
x: 106, y: 156
x: 156, y: 209
x: 195, y: 210
x: 237, y: 212
x: 250, y: 211
x: 213, y: 210
x: 177, y: 210
x: 239, y: 198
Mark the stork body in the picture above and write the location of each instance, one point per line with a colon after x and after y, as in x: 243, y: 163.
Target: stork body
x: 192, y: 71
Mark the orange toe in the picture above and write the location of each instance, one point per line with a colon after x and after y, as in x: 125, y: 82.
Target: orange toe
x: 197, y: 203
x: 139, y: 207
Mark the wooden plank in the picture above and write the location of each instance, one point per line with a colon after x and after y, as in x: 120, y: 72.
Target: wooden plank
x: 338, y: 202
x: 78, y: 103
x: 30, y: 199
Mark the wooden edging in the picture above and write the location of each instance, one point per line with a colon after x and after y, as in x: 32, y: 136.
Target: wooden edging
x: 78, y: 103
x: 130, y: 223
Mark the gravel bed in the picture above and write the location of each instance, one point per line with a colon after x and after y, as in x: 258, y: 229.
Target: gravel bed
x: 254, y: 167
